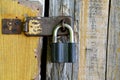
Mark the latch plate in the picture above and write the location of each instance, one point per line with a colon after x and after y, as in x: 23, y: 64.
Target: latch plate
x: 11, y: 26
x: 36, y: 26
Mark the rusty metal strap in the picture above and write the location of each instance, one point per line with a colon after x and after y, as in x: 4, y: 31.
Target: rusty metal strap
x: 36, y: 26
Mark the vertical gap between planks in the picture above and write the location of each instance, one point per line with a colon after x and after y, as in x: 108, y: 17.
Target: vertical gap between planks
x: 44, y: 49
x: 109, y: 10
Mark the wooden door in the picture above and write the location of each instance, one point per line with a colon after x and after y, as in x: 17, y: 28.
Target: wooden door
x: 96, y: 32
x: 17, y: 52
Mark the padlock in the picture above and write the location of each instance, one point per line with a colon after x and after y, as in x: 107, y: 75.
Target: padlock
x: 63, y: 52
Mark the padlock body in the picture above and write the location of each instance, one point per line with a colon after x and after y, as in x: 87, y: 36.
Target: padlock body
x: 72, y: 55
x: 59, y: 52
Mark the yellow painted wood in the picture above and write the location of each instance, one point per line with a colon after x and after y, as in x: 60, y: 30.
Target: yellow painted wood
x: 17, y: 58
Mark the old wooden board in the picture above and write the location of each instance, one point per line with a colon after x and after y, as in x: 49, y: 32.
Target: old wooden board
x: 17, y: 52
x: 93, y: 36
x: 113, y: 55
x: 63, y: 71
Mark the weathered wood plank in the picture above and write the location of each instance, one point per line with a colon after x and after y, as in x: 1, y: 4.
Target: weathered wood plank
x: 63, y: 71
x: 17, y: 52
x: 93, y: 36
x: 113, y: 66
x: 75, y: 66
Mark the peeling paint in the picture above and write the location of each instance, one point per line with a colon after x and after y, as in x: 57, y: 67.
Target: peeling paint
x: 35, y: 5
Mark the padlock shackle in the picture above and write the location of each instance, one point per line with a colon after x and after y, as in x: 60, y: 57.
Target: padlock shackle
x: 66, y: 26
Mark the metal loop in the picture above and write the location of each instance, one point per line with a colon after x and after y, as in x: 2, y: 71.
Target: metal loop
x: 66, y: 26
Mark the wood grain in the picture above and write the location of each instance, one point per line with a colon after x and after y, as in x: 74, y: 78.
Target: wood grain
x: 93, y: 36
x: 17, y: 52
x: 113, y: 64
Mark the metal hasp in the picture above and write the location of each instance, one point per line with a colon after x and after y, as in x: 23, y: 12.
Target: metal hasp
x: 11, y: 26
x: 63, y: 52
x: 43, y: 26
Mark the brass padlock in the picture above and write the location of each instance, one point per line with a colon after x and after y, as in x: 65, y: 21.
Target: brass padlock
x: 63, y: 52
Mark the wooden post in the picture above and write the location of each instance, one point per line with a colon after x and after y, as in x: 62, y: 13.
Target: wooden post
x: 63, y: 71
x: 113, y: 61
